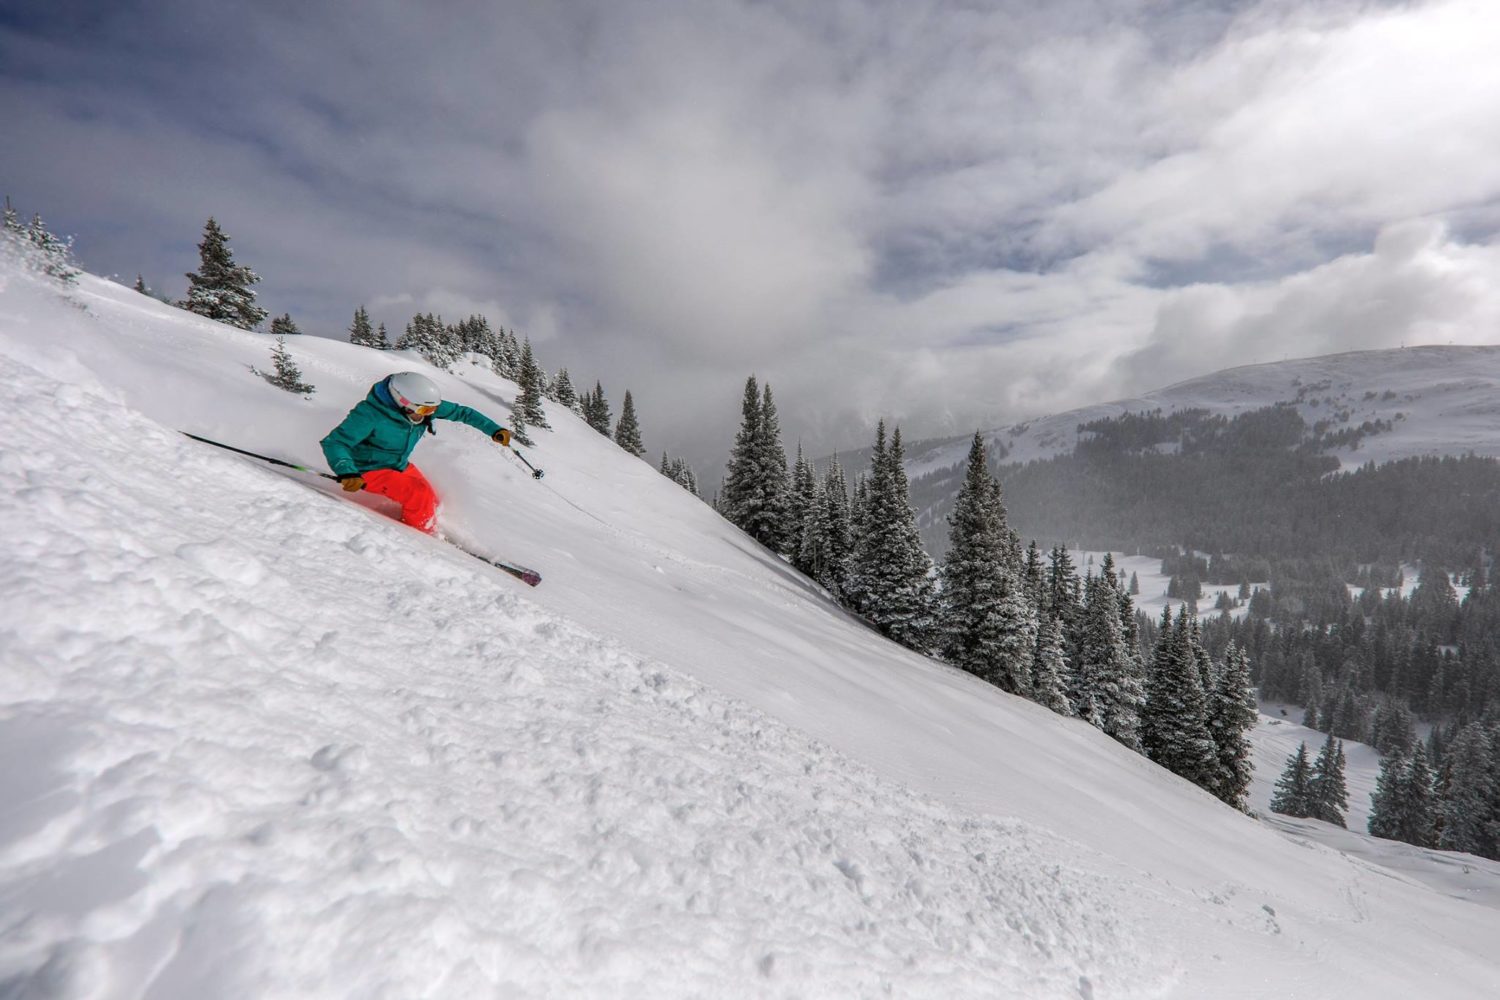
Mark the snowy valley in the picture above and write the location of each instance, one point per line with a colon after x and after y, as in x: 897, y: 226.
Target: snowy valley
x: 261, y: 740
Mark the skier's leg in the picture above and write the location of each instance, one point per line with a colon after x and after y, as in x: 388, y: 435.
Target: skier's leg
x: 411, y: 490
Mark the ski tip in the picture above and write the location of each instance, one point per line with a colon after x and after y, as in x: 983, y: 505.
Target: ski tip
x: 528, y: 576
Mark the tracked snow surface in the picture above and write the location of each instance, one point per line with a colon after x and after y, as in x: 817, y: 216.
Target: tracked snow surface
x: 259, y: 740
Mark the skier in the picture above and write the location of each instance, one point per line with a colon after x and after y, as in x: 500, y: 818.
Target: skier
x: 370, y: 448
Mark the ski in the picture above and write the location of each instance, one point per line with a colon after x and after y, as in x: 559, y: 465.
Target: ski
x: 530, y: 577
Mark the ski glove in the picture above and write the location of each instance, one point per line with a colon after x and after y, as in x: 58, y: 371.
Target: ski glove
x: 352, y: 484
x: 502, y: 436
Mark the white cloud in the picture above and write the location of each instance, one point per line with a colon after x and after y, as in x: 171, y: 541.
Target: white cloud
x: 685, y: 231
x: 947, y: 214
x: 1305, y: 127
x: 1415, y: 286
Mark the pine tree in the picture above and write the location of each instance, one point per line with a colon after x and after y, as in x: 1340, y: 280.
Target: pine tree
x: 989, y: 626
x: 1034, y: 578
x: 499, y: 346
x: 804, y: 509
x: 1328, y: 795
x: 628, y: 430
x: 774, y: 520
x: 1174, y: 720
x: 140, y: 285
x: 456, y: 337
x: 1402, y: 807
x: 1127, y: 619
x: 382, y: 339
x: 1293, y: 795
x: 596, y: 410
x: 586, y: 406
x: 52, y: 254
x: 282, y: 326
x: 360, y: 332
x: 1106, y: 691
x: 12, y: 224
x: 755, y: 485
x: 287, y: 375
x: 446, y: 349
x: 492, y: 343
x: 428, y: 336
x: 220, y: 289
x: 1348, y: 721
x: 1394, y: 731
x: 416, y: 337
x: 859, y: 505
x: 677, y: 470
x: 533, y: 384
x: 742, y: 478
x: 474, y: 336
x: 508, y: 364
x: 1207, y: 673
x: 1470, y: 806
x: 826, y: 541
x: 1064, y: 601
x: 562, y: 390
x: 811, y: 548
x: 839, y: 528
x: 892, y: 572
x: 682, y: 474
x: 1310, y: 690
x: 1231, y: 718
x: 1383, y: 803
x: 1049, y: 672
x: 518, y: 428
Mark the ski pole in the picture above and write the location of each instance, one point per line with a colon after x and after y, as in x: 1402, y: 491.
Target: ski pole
x: 263, y: 458
x: 535, y: 472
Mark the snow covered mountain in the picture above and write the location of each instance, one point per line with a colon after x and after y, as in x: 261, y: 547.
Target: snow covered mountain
x: 260, y: 740
x: 1436, y: 400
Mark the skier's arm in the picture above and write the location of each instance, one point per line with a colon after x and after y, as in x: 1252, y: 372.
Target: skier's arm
x: 354, y: 429
x: 464, y: 415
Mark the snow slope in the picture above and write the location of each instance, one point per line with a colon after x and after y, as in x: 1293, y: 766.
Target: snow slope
x: 260, y: 741
x: 1276, y: 739
x: 1440, y: 400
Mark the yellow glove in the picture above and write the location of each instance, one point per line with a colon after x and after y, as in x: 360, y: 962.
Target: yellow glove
x: 352, y: 484
x: 503, y: 437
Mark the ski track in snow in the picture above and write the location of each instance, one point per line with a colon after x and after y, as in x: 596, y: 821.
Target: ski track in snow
x: 239, y: 787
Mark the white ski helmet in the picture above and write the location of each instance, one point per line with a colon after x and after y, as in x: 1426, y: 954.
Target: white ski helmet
x: 416, y: 394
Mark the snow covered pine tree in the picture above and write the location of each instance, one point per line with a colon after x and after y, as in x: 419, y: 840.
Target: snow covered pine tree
x: 220, y: 288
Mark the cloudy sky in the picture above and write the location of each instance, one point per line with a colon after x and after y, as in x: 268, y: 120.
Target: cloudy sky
x: 951, y: 214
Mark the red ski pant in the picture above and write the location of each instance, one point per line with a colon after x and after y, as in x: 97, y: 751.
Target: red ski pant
x: 411, y: 490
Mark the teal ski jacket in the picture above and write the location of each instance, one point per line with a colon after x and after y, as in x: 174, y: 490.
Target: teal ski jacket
x: 377, y: 435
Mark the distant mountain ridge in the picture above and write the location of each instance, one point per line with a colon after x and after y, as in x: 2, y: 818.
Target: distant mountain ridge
x: 1441, y: 400
x: 1359, y: 407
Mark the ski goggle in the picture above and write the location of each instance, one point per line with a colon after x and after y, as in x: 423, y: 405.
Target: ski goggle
x: 416, y: 409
